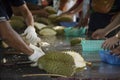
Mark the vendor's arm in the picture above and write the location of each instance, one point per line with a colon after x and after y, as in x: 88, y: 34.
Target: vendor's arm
x: 114, y: 24
x: 29, y: 32
x: 101, y: 33
x: 25, y: 12
x: 76, y: 7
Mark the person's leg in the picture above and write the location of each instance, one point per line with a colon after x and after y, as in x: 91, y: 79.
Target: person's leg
x: 13, y: 39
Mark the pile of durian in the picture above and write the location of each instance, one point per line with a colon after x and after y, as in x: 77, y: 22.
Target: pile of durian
x: 44, y: 26
x: 50, y: 26
x: 65, y: 63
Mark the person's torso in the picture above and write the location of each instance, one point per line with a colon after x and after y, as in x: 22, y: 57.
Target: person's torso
x: 7, y: 5
x: 32, y: 1
x: 115, y: 8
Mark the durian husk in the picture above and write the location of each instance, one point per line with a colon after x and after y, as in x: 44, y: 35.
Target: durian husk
x: 57, y: 63
x: 45, y: 21
x: 39, y: 26
x: 17, y: 24
x: 4, y: 44
x: 17, y: 18
x: 47, y: 31
x: 52, y: 17
x: 50, y: 10
x: 59, y: 30
x: 65, y: 63
x: 64, y: 18
x: 75, y: 41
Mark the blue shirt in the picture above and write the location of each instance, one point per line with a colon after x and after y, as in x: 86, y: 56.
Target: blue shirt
x: 5, y: 8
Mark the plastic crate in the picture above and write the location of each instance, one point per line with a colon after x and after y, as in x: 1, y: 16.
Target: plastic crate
x: 75, y: 32
x: 108, y: 58
x: 91, y: 45
x: 68, y: 24
x: 91, y: 56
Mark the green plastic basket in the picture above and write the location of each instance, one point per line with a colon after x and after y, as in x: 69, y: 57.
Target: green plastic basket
x: 91, y: 45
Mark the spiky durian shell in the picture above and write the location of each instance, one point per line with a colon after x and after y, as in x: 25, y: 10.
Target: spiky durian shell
x: 57, y: 63
x: 59, y: 30
x: 52, y: 17
x: 43, y: 20
x: 17, y: 18
x: 50, y: 10
x: 64, y: 18
x: 46, y: 31
x: 75, y: 41
x: 17, y: 24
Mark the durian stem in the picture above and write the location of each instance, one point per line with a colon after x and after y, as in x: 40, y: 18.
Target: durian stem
x: 28, y: 75
x: 89, y: 63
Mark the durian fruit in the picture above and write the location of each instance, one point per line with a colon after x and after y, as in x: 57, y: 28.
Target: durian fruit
x: 57, y: 63
x: 75, y: 41
x: 50, y: 10
x: 52, y: 17
x: 39, y: 26
x: 17, y: 18
x: 47, y: 32
x: 64, y: 18
x: 59, y: 30
x: 17, y: 24
x: 25, y: 39
x: 4, y: 44
x: 80, y: 63
x: 62, y: 63
x: 43, y: 20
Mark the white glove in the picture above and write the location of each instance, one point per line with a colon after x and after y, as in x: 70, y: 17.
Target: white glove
x: 37, y: 53
x: 31, y: 35
x: 59, y: 12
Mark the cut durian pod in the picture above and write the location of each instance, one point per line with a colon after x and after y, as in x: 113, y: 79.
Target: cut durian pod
x: 17, y: 25
x: 52, y: 17
x: 43, y: 20
x: 54, y: 63
x: 79, y: 61
x: 59, y: 30
x: 75, y: 41
x: 50, y: 10
x: 63, y: 63
x: 4, y: 44
x: 39, y: 26
x: 17, y: 18
x: 64, y: 18
x: 47, y: 32
x: 26, y: 40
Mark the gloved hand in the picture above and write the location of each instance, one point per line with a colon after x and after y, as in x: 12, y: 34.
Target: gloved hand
x: 110, y: 43
x: 37, y: 53
x: 31, y: 35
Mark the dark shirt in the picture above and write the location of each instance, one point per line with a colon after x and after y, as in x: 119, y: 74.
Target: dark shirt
x: 100, y: 20
x: 5, y: 8
x: 32, y: 1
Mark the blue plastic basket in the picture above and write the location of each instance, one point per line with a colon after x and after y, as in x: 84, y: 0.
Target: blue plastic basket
x: 108, y: 58
x: 68, y: 24
x: 91, y: 45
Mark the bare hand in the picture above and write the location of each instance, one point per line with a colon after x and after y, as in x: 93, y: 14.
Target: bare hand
x: 116, y: 51
x: 100, y: 33
x: 110, y: 43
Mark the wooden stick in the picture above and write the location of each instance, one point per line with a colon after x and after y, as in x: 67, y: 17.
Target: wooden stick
x: 29, y: 75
